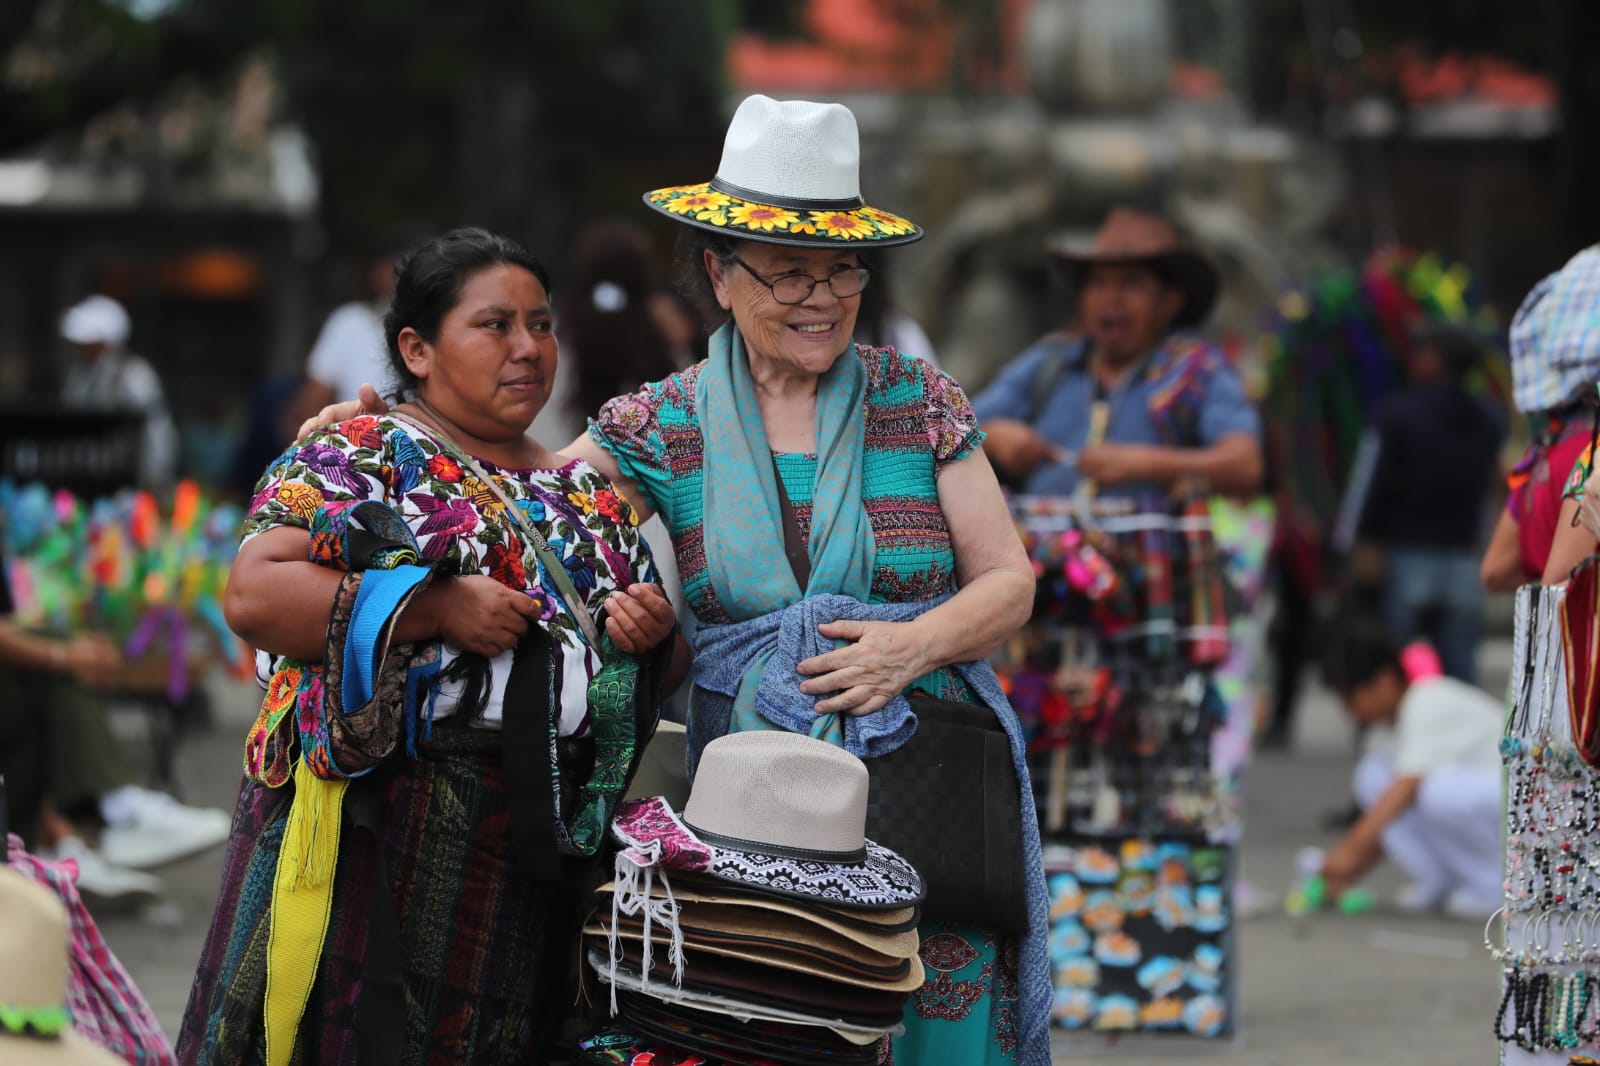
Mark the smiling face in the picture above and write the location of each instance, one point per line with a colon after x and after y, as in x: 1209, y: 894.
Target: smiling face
x: 1127, y: 309
x: 490, y: 368
x: 793, y: 339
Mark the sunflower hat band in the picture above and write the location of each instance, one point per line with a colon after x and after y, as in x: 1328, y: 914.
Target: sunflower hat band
x: 790, y: 174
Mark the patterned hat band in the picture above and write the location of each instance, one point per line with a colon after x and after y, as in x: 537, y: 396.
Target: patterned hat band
x: 724, y: 208
x: 780, y: 851
x: 45, y: 1023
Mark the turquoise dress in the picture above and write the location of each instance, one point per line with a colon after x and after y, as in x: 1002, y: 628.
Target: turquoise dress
x: 917, y: 420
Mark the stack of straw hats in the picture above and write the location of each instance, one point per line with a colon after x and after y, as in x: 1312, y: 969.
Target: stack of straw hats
x: 759, y: 925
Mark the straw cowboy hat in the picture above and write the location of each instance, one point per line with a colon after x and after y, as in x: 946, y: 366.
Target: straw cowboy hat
x: 790, y: 174
x: 1130, y: 237
x: 35, y: 1029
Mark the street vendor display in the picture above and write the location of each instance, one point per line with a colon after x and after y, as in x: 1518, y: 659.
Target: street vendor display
x: 1115, y: 439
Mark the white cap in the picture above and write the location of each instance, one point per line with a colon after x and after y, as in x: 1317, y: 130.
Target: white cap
x: 96, y: 320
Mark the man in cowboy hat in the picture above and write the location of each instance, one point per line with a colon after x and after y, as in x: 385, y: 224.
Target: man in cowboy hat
x: 1131, y: 404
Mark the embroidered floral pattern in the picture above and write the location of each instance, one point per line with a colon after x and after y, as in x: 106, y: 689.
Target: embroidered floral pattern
x: 850, y: 226
x: 762, y: 217
x: 947, y: 953
x: 452, y: 513
x: 704, y: 204
x: 948, y: 1000
x: 1006, y: 996
x: 455, y: 518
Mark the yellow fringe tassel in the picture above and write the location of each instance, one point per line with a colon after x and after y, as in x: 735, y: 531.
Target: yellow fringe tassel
x: 302, y: 899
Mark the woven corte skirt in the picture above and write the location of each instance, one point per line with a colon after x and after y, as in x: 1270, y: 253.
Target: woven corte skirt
x: 474, y: 938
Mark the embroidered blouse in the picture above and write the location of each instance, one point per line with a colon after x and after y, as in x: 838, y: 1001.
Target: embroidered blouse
x: 918, y: 420
x: 458, y: 519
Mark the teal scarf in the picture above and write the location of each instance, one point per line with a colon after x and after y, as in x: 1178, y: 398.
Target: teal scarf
x: 745, y: 559
x: 743, y: 522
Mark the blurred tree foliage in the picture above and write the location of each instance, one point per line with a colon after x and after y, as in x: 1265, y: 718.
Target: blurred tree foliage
x: 511, y: 113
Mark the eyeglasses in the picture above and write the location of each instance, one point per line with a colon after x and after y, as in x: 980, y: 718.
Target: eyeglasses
x: 797, y: 288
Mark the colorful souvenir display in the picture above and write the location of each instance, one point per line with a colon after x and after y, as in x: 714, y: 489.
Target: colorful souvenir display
x: 1337, y: 346
x: 1111, y: 678
x: 123, y: 566
x: 1146, y: 950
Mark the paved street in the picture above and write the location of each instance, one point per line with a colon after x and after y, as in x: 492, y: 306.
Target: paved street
x: 1380, y: 989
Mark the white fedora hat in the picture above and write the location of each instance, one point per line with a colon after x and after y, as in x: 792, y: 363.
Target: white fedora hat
x: 790, y: 174
x: 35, y: 1029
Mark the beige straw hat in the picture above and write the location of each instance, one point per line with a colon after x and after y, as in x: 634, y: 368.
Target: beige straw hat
x: 35, y: 1029
x: 787, y: 814
x: 799, y: 957
x: 898, y: 942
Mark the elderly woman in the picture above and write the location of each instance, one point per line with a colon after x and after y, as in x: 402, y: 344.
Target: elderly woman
x: 793, y: 467
x: 440, y: 928
x: 795, y: 464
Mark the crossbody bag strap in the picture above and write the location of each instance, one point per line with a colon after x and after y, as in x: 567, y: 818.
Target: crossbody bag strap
x: 570, y: 597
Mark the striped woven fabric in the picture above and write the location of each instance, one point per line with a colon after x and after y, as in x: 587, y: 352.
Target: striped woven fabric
x: 477, y: 984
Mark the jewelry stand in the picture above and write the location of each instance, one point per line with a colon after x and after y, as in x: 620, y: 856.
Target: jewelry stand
x: 1547, y: 935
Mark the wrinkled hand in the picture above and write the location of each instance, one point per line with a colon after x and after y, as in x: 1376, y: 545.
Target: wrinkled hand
x: 1116, y: 464
x: 1589, y: 505
x: 881, y: 659
x: 1016, y: 448
x: 639, y: 619
x: 367, y: 403
x: 93, y: 659
x: 481, y: 616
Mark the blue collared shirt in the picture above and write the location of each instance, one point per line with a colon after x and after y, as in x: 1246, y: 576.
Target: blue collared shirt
x: 1220, y: 407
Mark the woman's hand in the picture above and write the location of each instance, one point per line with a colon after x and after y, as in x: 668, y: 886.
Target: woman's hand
x: 368, y: 403
x: 477, y: 614
x: 639, y: 619
x: 880, y: 661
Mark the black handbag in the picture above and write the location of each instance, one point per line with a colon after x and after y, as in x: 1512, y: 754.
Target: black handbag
x: 947, y: 800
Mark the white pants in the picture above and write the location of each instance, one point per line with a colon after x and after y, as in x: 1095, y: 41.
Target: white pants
x: 1449, y: 841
